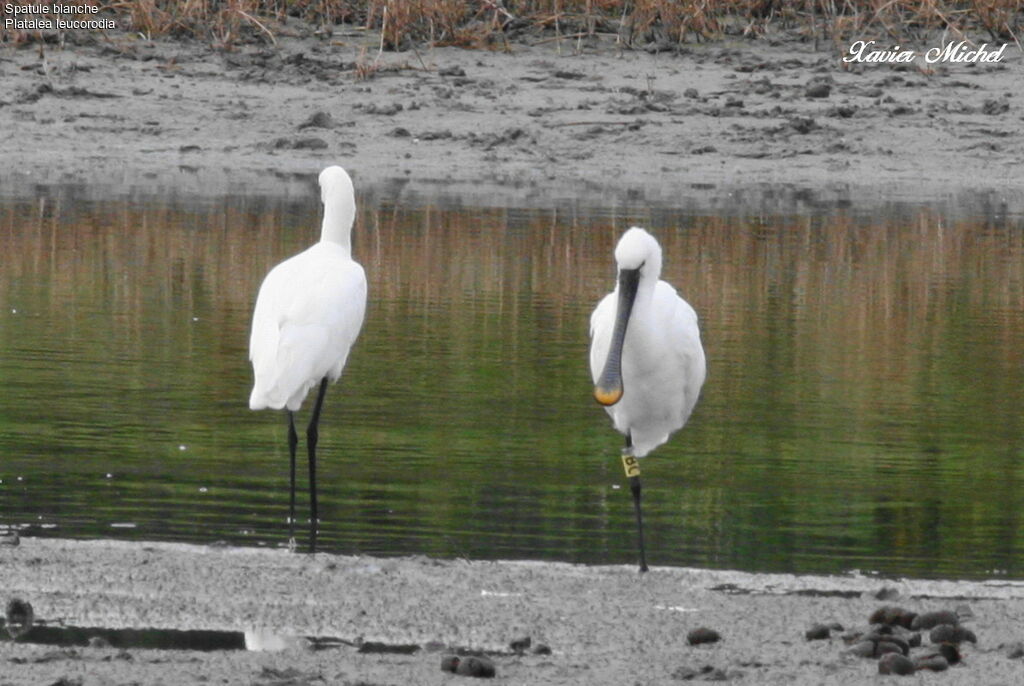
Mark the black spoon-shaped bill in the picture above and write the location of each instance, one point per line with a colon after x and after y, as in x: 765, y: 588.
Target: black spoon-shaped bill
x: 609, y: 389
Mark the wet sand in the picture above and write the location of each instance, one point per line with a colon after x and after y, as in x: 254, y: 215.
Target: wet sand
x: 604, y: 625
x: 547, y: 119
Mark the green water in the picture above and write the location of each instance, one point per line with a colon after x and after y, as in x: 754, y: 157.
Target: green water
x: 862, y: 408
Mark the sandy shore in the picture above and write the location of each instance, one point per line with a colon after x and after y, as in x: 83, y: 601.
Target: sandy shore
x: 548, y: 117
x: 604, y: 625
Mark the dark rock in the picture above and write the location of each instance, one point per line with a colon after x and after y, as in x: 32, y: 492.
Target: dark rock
x: 803, y: 124
x: 930, y: 620
x: 893, y: 615
x: 818, y: 632
x: 934, y: 663
x: 451, y: 71
x: 887, y: 647
x: 388, y: 648
x: 520, y: 645
x: 863, y: 649
x: 894, y: 663
x: 19, y: 617
x: 475, y: 666
x: 435, y: 135
x: 992, y: 106
x: 691, y: 93
x: 951, y: 633
x: 702, y: 635
x: 1015, y: 651
x: 541, y: 649
x: 400, y: 132
x: 318, y: 120
x: 818, y: 90
x: 705, y: 673
x: 886, y: 593
x: 383, y: 110
x: 950, y: 652
x: 569, y: 75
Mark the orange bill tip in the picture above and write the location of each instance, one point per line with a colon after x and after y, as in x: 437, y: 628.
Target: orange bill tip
x: 609, y: 396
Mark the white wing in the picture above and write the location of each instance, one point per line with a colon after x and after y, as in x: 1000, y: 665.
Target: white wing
x: 308, y: 314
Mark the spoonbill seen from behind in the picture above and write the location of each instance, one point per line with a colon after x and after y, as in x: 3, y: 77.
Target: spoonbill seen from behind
x: 308, y: 315
x: 646, y: 358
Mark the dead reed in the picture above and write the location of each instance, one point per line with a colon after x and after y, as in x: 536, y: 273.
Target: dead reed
x: 633, y: 23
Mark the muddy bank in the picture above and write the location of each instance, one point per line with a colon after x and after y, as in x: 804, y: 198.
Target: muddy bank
x: 602, y: 624
x: 545, y: 118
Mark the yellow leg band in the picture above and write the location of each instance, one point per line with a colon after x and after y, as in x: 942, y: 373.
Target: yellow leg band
x: 631, y: 465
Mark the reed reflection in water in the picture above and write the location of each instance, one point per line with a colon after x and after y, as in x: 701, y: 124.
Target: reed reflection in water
x: 862, y: 408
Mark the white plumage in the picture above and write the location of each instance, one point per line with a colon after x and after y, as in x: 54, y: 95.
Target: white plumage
x: 310, y: 308
x: 646, y: 358
x: 308, y: 315
x: 662, y: 364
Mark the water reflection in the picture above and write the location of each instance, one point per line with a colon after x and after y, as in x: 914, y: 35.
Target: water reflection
x: 862, y: 408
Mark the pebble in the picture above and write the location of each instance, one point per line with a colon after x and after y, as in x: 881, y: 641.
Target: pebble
x: 521, y: 645
x: 893, y: 615
x: 930, y: 620
x: 819, y: 90
x: 952, y: 633
x: 934, y: 663
x: 894, y: 663
x: 475, y: 666
x: 702, y: 635
x: 818, y: 632
x: 19, y: 617
x: 318, y: 120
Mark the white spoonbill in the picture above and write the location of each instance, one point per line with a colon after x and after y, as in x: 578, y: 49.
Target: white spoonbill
x: 308, y: 314
x: 646, y: 358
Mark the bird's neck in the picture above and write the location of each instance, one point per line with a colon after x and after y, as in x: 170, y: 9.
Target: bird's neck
x: 337, y: 225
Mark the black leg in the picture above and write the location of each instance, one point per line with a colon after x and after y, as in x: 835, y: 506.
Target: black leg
x: 293, y: 441
x: 312, y: 435
x: 632, y: 467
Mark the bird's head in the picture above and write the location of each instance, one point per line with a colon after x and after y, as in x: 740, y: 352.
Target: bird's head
x: 334, y: 182
x: 638, y: 257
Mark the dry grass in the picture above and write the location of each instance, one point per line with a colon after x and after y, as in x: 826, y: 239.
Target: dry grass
x: 490, y: 23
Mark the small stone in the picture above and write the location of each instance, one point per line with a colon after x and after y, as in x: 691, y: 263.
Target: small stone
x: 892, y: 615
x: 903, y: 645
x: 894, y: 663
x: 818, y: 90
x: 451, y: 71
x: 702, y: 635
x: 887, y: 647
x: 521, y: 645
x: 934, y: 663
x: 449, y: 663
x: 1015, y: 651
x: 818, y: 632
x: 930, y: 620
x: 19, y: 617
x: 475, y: 666
x: 863, y: 649
x: 950, y: 652
x: 950, y: 633
x: 318, y: 120
x: 541, y: 649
